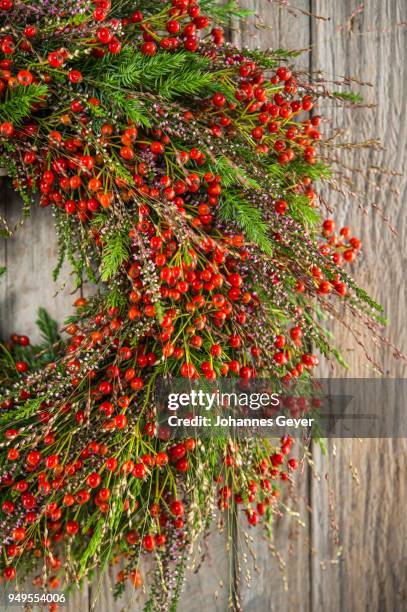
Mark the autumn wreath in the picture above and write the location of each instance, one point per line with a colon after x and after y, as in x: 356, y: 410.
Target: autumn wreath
x: 181, y: 174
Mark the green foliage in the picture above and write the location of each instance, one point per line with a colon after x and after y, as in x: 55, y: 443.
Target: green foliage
x: 365, y: 297
x: 159, y: 311
x: 60, y: 261
x: 231, y: 173
x: 36, y: 355
x: 116, y: 298
x: 168, y: 74
x: 73, y: 246
x: 115, y: 252
x: 124, y: 104
x: 19, y: 101
x: 6, y: 358
x: 120, y: 171
x: 2, y: 270
x: 301, y: 211
x: 249, y: 220
x: 30, y: 407
x: 99, y: 219
x: 132, y: 109
x: 92, y: 547
x: 299, y: 168
x: 93, y: 304
x: 339, y: 357
x: 131, y: 68
x: 48, y: 327
x: 348, y: 96
x: 270, y: 59
x: 223, y: 13
x: 187, y: 82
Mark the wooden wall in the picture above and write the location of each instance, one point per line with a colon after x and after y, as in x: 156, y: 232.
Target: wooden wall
x: 348, y: 552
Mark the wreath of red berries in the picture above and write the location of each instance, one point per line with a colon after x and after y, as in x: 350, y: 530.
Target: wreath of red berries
x: 182, y: 173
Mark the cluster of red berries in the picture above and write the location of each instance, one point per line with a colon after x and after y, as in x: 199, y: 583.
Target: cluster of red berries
x: 261, y: 493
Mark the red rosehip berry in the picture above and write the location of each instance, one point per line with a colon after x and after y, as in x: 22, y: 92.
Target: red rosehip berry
x: 9, y: 572
x: 149, y: 542
x: 293, y: 464
x: 280, y: 207
x: 219, y: 99
x: 72, y: 528
x: 24, y: 77
x: 149, y: 48
x: 75, y: 76
x: 139, y: 470
x: 177, y: 508
x: 21, y: 366
x: 172, y: 26
x: 33, y: 458
x: 93, y: 480
x: 104, y: 35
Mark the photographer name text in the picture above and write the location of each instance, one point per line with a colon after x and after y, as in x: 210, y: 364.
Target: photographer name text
x: 229, y: 421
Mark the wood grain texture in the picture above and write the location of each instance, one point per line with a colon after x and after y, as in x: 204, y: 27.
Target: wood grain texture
x: 278, y: 578
x: 29, y: 258
x: 350, y: 552
x: 365, y: 484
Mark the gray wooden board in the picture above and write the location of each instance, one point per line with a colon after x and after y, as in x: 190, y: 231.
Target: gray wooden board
x: 368, y: 477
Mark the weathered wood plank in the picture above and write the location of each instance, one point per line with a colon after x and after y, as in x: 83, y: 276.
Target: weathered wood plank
x: 276, y: 577
x: 29, y: 257
x: 211, y: 587
x: 367, y: 478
